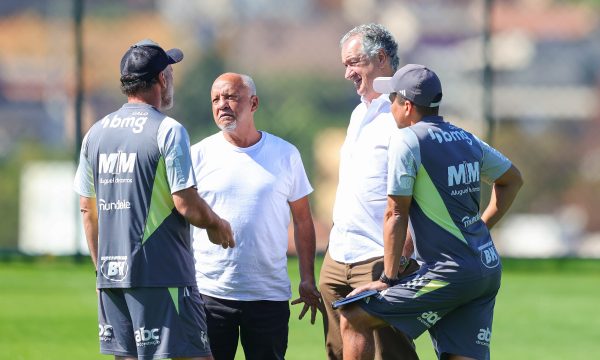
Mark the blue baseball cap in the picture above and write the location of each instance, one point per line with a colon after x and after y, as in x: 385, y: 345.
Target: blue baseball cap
x: 414, y: 82
x: 146, y: 59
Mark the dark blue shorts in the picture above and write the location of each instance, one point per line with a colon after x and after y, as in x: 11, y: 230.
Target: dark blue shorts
x: 458, y: 315
x: 153, y: 323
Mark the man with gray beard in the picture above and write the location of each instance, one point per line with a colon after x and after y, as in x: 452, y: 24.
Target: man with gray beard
x: 257, y: 180
x: 137, y: 197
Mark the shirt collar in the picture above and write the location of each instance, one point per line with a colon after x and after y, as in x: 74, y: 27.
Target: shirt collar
x: 379, y: 101
x: 433, y: 119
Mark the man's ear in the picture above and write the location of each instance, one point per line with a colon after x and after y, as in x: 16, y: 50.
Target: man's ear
x: 408, y: 107
x: 162, y: 79
x: 381, y: 58
x: 254, y: 101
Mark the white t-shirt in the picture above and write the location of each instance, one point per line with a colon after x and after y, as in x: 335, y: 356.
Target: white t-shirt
x: 361, y: 196
x: 249, y: 187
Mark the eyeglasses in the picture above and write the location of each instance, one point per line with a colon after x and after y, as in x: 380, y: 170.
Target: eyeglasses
x: 393, y: 96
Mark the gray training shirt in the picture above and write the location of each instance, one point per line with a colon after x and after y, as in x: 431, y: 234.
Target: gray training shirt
x: 131, y: 162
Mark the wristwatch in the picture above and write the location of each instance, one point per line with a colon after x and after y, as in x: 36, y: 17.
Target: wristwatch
x: 404, y: 261
x: 386, y: 280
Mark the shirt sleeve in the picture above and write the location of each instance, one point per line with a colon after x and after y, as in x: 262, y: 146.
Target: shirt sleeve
x: 494, y: 163
x: 403, y: 161
x: 84, y: 176
x: 300, y: 183
x: 174, y: 144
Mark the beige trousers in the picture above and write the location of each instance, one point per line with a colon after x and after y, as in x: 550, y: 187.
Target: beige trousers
x: 336, y: 281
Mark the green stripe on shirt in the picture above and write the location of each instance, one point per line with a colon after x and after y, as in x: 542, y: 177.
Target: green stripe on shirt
x: 161, y: 202
x: 430, y: 201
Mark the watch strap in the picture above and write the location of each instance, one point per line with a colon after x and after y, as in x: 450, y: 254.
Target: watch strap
x: 386, y: 280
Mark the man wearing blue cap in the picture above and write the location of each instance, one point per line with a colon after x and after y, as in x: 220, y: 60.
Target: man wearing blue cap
x: 435, y: 173
x: 137, y: 196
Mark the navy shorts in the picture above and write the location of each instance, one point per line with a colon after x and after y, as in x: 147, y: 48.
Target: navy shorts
x: 153, y: 323
x: 458, y: 315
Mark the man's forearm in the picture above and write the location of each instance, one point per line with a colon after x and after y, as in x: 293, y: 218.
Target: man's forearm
x: 394, y: 234
x: 203, y: 216
x: 196, y: 211
x: 504, y: 191
x: 89, y: 214
x: 409, y: 247
x: 304, y: 239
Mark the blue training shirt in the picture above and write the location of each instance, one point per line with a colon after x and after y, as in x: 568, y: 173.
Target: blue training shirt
x: 441, y: 166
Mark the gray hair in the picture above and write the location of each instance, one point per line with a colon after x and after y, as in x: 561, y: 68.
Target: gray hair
x: 375, y: 37
x: 249, y: 83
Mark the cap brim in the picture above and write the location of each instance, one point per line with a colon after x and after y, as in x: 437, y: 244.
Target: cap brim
x: 383, y: 85
x: 175, y: 55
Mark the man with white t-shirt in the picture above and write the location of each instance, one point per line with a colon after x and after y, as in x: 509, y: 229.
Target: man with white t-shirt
x: 256, y: 180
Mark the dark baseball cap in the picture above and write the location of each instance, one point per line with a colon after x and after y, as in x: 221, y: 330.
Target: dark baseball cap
x: 146, y: 59
x: 414, y: 82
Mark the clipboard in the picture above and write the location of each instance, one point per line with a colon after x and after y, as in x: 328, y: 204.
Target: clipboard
x: 350, y: 299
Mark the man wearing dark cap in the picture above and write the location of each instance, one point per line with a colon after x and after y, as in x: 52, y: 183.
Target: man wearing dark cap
x: 435, y: 173
x: 137, y: 196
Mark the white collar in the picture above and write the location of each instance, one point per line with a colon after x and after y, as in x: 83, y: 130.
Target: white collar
x: 380, y: 100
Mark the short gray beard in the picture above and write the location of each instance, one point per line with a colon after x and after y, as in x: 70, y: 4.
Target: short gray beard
x: 230, y: 127
x: 167, y: 98
x: 167, y: 103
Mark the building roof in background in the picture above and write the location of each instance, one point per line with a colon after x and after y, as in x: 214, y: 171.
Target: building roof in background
x: 542, y: 21
x: 265, y: 46
x: 37, y: 54
x: 549, y: 47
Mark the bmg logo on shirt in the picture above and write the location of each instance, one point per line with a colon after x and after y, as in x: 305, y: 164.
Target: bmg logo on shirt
x: 136, y: 124
x: 455, y: 134
x: 114, y: 268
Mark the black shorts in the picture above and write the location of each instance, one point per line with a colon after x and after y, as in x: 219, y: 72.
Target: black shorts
x: 261, y: 326
x: 152, y: 323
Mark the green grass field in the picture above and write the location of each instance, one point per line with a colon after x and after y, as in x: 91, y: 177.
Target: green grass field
x: 546, y: 310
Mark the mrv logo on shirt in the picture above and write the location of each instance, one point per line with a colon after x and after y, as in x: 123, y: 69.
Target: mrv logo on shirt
x: 116, y: 163
x: 462, y: 174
